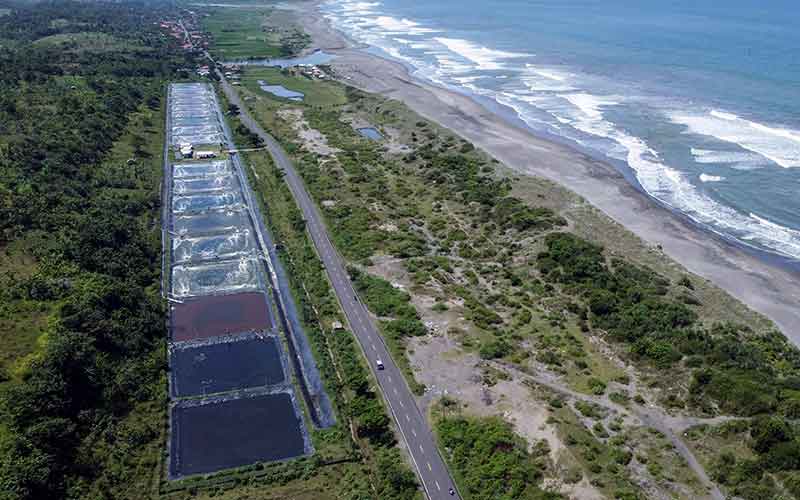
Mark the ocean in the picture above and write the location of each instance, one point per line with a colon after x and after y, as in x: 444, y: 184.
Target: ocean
x: 698, y: 102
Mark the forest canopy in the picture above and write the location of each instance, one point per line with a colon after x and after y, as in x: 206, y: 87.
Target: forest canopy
x: 86, y: 222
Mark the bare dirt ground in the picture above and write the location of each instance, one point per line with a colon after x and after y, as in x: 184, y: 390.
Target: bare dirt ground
x: 447, y: 369
x: 313, y: 140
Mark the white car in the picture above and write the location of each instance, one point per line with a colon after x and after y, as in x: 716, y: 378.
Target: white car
x: 379, y: 364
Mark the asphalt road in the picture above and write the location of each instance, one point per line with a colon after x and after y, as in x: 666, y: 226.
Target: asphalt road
x: 413, y: 426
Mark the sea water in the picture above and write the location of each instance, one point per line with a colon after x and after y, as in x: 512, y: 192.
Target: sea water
x: 700, y: 101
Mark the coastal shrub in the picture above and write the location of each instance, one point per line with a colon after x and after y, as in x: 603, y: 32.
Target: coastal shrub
x: 495, y: 348
x: 380, y: 296
x: 491, y: 461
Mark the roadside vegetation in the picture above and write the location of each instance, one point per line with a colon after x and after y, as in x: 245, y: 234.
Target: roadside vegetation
x: 489, y: 461
x: 82, y: 321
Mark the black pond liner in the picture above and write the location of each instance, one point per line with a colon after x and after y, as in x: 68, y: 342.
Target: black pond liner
x: 210, y: 436
x: 228, y: 364
x: 217, y: 315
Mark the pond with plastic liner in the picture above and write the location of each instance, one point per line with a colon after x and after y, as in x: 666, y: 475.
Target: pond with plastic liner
x: 201, y: 202
x: 202, y: 169
x: 210, y: 222
x: 220, y: 246
x: 226, y: 364
x: 217, y: 277
x: 198, y: 318
x: 205, y: 184
x: 212, y: 435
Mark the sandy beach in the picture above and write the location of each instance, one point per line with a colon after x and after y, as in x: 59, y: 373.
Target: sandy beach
x: 766, y: 287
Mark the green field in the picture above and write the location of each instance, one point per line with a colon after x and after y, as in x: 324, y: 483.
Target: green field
x: 317, y: 93
x: 241, y: 33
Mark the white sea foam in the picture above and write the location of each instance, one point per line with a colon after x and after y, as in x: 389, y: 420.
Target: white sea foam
x: 710, y: 178
x: 740, y: 160
x: 588, y: 113
x: 672, y: 187
x: 781, y: 146
x: 548, y: 73
x: 485, y: 58
x: 393, y: 26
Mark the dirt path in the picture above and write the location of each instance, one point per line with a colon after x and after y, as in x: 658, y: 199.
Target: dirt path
x: 649, y: 415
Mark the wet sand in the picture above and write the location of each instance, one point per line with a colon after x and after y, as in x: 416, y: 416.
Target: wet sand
x: 768, y: 288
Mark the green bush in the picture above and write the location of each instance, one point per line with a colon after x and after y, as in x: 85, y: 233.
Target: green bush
x: 495, y: 348
x: 490, y: 461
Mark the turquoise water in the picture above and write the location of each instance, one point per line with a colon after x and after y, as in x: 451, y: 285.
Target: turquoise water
x: 699, y: 100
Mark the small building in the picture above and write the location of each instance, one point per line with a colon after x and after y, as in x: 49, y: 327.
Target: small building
x: 186, y: 150
x: 203, y: 155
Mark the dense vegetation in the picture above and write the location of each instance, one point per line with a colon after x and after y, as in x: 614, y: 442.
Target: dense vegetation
x: 732, y: 370
x: 738, y: 372
x: 80, y: 136
x: 491, y: 462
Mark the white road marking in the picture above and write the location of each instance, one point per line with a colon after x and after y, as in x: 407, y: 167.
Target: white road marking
x: 437, y: 485
x: 402, y: 405
x: 373, y: 348
x: 420, y: 449
x: 407, y: 419
x: 429, y: 464
x: 390, y: 378
x: 414, y: 432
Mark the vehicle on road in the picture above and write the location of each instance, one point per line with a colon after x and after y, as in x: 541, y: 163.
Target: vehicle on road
x: 379, y: 364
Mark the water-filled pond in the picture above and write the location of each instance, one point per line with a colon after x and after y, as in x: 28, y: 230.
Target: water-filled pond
x: 370, y: 133
x: 281, y: 91
x: 315, y: 58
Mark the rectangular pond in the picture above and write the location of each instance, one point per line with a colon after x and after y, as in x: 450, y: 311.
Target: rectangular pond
x: 209, y: 436
x: 193, y: 121
x: 221, y: 246
x: 203, y: 138
x: 216, y: 278
x: 209, y: 201
x: 232, y: 363
x: 217, y: 315
x: 209, y: 128
x: 210, y: 222
x: 225, y: 182
x: 192, y: 112
x: 202, y: 169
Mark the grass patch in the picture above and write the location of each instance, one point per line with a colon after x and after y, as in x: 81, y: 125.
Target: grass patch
x: 316, y: 93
